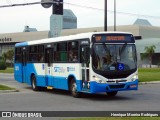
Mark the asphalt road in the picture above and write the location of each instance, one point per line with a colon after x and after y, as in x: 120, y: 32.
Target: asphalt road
x: 147, y: 98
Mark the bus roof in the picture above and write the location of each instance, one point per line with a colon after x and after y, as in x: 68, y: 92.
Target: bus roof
x: 65, y: 38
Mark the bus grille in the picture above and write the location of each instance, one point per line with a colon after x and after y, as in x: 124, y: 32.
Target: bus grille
x: 116, y: 86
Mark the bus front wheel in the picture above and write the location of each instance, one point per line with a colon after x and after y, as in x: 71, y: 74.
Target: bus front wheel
x: 73, y: 89
x: 34, y: 84
x: 111, y: 94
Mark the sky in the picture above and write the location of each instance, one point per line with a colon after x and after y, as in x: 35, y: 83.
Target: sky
x: 13, y: 19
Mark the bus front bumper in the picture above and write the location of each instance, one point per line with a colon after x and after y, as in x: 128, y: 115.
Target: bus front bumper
x: 103, y: 87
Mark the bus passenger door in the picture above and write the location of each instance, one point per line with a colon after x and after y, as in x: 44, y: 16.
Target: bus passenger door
x: 24, y: 62
x: 49, y: 66
x: 85, y: 60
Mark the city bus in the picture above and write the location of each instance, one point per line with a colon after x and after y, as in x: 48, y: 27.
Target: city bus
x: 97, y: 62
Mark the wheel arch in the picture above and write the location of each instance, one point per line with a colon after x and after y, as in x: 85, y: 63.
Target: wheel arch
x: 70, y: 78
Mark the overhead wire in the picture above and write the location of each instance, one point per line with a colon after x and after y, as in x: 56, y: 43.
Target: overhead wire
x: 111, y: 11
x: 82, y: 6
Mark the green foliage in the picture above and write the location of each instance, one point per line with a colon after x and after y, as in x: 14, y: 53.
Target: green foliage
x: 149, y: 74
x: 148, y: 69
x: 8, y: 70
x: 3, y: 87
x: 4, y: 55
x: 149, y: 51
x: 2, y: 64
x: 9, y: 56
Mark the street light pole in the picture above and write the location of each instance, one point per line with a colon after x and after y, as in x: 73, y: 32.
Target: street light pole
x: 105, y: 15
x: 114, y: 15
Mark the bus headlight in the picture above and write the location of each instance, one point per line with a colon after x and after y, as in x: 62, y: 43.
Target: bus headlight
x: 98, y: 80
x: 135, y: 77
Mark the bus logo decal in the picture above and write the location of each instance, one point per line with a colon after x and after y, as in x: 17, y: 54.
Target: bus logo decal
x: 69, y: 69
x: 59, y: 69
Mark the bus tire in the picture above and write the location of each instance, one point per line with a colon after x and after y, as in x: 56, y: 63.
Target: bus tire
x: 111, y: 94
x: 73, y: 89
x: 34, y: 83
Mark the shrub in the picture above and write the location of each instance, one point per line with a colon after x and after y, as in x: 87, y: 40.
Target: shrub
x: 2, y: 64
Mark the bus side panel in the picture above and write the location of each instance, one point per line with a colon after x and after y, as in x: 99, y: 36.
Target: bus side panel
x: 37, y: 70
x: 79, y: 85
x: 61, y: 83
x: 61, y: 72
x: 18, y: 72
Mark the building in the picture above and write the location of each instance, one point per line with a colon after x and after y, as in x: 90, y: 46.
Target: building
x: 28, y: 29
x: 69, y: 19
x: 150, y: 36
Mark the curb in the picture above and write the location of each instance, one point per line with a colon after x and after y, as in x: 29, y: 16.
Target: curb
x: 8, y: 91
x: 152, y: 82
x: 6, y: 73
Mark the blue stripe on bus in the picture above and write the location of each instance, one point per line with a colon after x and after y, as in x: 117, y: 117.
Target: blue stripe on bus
x: 21, y: 44
x: 18, y: 72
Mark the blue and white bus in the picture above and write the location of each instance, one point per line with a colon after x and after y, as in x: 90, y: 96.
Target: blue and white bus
x: 84, y: 63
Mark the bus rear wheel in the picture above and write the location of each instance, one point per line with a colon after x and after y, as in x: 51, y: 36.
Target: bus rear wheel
x: 34, y: 83
x: 111, y: 94
x: 73, y: 89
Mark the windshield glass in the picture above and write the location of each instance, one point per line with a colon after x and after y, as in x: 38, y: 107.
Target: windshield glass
x: 117, y: 57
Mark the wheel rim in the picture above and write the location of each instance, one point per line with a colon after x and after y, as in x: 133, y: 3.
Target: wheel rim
x: 74, y: 88
x: 33, y: 82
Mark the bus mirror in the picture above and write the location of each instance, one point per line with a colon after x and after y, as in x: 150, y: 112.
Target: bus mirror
x: 137, y: 37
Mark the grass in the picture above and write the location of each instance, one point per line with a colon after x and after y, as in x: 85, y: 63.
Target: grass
x: 149, y: 74
x: 8, y: 70
x: 3, y: 87
x: 116, y: 118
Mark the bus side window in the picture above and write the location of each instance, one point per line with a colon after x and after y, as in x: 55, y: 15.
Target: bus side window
x: 73, y: 51
x: 56, y: 52
x: 18, y: 55
x: 61, y: 52
x: 33, y: 54
x: 41, y: 53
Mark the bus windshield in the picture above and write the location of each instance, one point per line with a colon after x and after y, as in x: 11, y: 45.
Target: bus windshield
x: 117, y: 57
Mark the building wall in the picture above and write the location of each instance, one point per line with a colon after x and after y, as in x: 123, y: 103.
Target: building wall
x: 8, y: 40
x: 149, y: 31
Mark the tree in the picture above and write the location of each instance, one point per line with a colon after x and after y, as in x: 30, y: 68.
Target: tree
x: 149, y: 51
x: 4, y: 55
x: 2, y: 64
x: 8, y: 56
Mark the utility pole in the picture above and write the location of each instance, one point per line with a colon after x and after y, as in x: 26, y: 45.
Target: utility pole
x: 114, y: 15
x: 105, y: 15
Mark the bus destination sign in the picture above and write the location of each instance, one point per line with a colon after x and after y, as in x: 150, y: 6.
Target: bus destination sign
x: 115, y: 38
x: 112, y: 38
